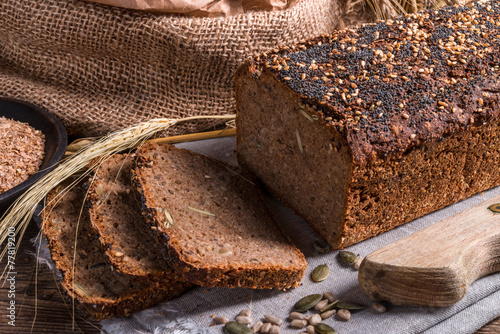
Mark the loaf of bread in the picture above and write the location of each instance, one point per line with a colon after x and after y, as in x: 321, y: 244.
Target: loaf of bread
x: 212, y: 223
x: 115, y: 215
x: 366, y: 129
x: 98, y: 291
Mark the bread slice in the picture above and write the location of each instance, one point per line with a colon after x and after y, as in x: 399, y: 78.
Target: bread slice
x: 115, y: 214
x: 98, y: 291
x: 212, y: 223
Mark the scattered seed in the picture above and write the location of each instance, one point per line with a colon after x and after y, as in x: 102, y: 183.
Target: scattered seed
x: 344, y: 314
x: 274, y: 330
x: 322, y: 328
x: 350, y: 306
x: 299, y: 142
x: 296, y: 323
x: 315, y: 319
x: 274, y: 320
x: 347, y: 257
x: 357, y: 264
x: 329, y: 306
x: 321, y: 247
x: 257, y: 326
x: 266, y: 327
x: 297, y: 315
x: 234, y: 327
x: 413, y: 136
x: 321, y: 305
x: 245, y: 312
x: 202, y: 212
x: 244, y: 320
x: 379, y: 307
x: 307, y: 302
x: 310, y: 329
x: 320, y: 273
x: 328, y: 314
x: 221, y: 320
x: 329, y: 296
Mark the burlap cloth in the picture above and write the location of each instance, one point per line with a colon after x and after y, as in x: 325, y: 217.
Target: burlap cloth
x: 100, y: 68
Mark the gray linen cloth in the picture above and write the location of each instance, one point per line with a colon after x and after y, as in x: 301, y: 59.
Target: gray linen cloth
x: 192, y: 312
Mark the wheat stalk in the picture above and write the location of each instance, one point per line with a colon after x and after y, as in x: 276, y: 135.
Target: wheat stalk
x: 19, y: 214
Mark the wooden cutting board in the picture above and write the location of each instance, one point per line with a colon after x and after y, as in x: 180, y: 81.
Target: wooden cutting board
x: 436, y: 265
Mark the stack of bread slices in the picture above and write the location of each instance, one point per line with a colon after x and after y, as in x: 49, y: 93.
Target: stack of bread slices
x: 158, y: 221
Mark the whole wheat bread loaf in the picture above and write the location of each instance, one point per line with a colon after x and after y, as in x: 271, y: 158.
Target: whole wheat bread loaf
x: 212, y: 222
x: 115, y: 214
x: 98, y: 291
x: 366, y: 129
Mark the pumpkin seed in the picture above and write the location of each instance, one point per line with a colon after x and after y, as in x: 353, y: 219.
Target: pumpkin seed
x: 307, y: 302
x: 350, y: 306
x: 495, y: 208
x: 321, y: 247
x: 329, y: 307
x: 320, y: 273
x: 234, y: 327
x: 322, y: 328
x: 347, y: 257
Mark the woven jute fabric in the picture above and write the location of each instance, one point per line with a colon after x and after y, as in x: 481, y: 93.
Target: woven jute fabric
x: 101, y: 68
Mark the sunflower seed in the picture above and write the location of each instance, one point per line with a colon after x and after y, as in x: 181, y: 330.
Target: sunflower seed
x: 266, y: 327
x: 257, y: 326
x: 297, y: 315
x: 234, y: 327
x: 329, y: 296
x: 296, y: 323
x: 379, y: 307
x: 350, y: 306
x: 244, y: 320
x: 322, y: 328
x: 320, y: 273
x: 328, y: 314
x: 274, y: 329
x: 307, y: 302
x: 274, y: 320
x: 315, y: 319
x: 321, y: 305
x: 245, y: 313
x: 221, y: 320
x: 347, y: 257
x: 344, y: 314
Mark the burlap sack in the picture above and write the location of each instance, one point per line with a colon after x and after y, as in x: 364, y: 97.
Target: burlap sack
x: 101, y: 68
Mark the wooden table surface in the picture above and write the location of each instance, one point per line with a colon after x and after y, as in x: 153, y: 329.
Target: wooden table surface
x: 41, y: 308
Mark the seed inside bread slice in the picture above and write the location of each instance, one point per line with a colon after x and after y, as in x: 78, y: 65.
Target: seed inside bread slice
x: 98, y: 291
x: 115, y: 214
x: 212, y: 223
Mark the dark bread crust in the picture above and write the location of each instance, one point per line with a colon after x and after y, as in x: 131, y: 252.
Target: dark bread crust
x: 284, y: 274
x: 100, y: 292
x: 409, y: 107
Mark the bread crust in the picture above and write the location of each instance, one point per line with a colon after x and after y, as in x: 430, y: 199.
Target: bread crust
x: 409, y: 107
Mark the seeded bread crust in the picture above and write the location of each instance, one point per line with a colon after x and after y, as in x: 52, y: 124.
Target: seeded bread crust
x: 212, y: 223
x: 115, y: 215
x: 99, y: 292
x: 366, y: 129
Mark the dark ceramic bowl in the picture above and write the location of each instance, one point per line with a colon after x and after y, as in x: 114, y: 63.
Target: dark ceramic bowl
x: 56, y: 141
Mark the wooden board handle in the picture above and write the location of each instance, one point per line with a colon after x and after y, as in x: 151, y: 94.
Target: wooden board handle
x: 436, y: 265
